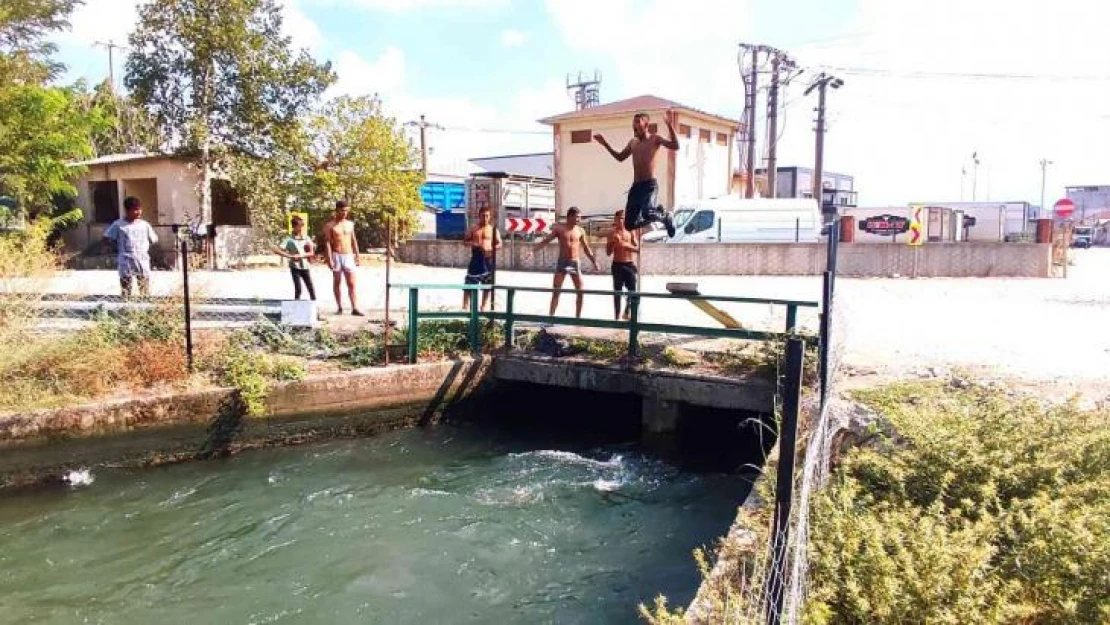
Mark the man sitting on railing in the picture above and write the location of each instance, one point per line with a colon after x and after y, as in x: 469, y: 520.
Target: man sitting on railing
x: 571, y: 238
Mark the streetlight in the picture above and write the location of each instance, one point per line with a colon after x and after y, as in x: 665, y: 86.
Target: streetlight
x: 1044, y: 166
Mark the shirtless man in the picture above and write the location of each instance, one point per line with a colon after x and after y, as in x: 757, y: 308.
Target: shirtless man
x: 342, y: 255
x: 572, y: 238
x: 622, y: 246
x: 640, y: 209
x: 483, y: 240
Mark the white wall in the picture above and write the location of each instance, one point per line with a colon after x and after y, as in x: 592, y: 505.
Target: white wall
x: 702, y: 170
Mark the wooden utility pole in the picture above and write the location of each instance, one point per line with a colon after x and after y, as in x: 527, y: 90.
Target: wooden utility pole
x: 821, y: 84
x: 424, y: 125
x: 111, y: 46
x: 749, y: 190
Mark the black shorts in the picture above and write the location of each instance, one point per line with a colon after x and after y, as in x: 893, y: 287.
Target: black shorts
x: 639, y: 210
x: 480, y: 269
x: 624, y: 276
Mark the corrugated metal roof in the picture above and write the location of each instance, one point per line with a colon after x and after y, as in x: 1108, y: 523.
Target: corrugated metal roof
x: 537, y: 165
x: 632, y: 106
x: 114, y: 159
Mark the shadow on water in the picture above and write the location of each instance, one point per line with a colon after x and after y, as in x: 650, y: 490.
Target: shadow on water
x: 705, y: 440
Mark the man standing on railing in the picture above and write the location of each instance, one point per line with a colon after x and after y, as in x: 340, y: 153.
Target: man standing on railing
x: 641, y: 209
x: 342, y: 255
x: 483, y: 239
x: 572, y: 238
x: 622, y: 245
x: 133, y: 237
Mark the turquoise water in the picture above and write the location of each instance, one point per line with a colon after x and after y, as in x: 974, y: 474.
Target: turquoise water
x: 451, y: 524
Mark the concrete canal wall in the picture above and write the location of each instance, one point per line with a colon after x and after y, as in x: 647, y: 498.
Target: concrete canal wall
x: 933, y: 260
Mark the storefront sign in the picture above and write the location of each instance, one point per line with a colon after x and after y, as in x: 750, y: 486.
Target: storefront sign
x: 885, y: 225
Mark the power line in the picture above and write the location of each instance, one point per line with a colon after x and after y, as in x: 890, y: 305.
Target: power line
x: 873, y: 71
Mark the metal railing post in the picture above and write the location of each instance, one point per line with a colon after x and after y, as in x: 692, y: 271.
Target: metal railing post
x: 823, y: 333
x: 474, y: 335
x: 188, y: 303
x: 784, y: 488
x: 791, y: 318
x: 510, y: 295
x: 634, y: 326
x: 414, y: 323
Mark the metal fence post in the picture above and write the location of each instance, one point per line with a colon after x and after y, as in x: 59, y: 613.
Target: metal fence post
x: 414, y: 323
x: 823, y: 333
x: 634, y: 326
x: 784, y: 488
x: 510, y: 294
x: 474, y: 334
x: 188, y: 303
x: 791, y: 318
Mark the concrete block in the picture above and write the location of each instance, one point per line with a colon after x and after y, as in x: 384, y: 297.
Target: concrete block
x: 299, y: 313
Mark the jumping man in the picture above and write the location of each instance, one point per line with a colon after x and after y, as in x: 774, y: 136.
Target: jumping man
x: 483, y: 240
x: 571, y: 238
x: 640, y: 209
x: 342, y: 255
x: 622, y: 246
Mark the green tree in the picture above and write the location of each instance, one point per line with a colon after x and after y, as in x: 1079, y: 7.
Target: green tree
x: 219, y: 77
x: 24, y: 50
x: 126, y: 127
x: 362, y: 156
x: 42, y: 128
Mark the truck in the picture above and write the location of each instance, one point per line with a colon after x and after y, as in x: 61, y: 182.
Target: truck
x: 1082, y: 236
x: 733, y: 219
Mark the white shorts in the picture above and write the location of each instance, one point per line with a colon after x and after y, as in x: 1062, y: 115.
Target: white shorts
x: 342, y: 263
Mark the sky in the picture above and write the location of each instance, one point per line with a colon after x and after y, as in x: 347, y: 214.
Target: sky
x: 927, y: 83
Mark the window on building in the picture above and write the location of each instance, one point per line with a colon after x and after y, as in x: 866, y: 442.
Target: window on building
x: 581, y: 136
x: 227, y: 208
x: 105, y: 201
x: 685, y: 130
x: 704, y: 136
x: 722, y: 138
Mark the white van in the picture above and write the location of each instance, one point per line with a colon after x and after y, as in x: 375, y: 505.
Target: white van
x: 733, y: 219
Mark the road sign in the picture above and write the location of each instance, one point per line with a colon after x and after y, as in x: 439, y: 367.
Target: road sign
x: 526, y: 226
x: 885, y: 225
x: 917, y: 228
x: 1064, y: 208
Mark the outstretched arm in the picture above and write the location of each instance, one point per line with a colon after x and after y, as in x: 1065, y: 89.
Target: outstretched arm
x: 548, y: 239
x: 620, y: 156
x: 671, y: 143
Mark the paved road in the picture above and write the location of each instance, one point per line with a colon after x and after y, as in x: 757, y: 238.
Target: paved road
x: 1035, y: 329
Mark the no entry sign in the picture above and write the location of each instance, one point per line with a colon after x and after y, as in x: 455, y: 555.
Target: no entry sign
x: 1064, y: 207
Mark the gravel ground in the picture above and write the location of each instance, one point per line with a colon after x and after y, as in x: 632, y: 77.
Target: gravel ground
x: 1045, y: 331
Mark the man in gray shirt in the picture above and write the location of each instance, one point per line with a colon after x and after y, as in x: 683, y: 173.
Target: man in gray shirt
x: 133, y: 237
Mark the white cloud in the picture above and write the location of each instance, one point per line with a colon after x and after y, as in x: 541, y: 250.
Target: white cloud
x: 411, y: 5
x: 512, y: 38
x: 469, y: 129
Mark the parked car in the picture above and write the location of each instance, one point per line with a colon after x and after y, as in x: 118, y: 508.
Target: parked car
x: 1082, y: 236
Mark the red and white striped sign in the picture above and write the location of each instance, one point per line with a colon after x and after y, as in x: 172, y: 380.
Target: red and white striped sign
x: 526, y: 226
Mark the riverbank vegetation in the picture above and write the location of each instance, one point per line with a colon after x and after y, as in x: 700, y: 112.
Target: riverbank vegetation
x: 978, y: 506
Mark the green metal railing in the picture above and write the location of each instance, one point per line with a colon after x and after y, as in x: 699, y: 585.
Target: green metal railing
x: 634, y: 326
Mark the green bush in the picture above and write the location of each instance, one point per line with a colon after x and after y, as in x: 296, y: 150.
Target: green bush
x: 237, y: 364
x: 987, y: 509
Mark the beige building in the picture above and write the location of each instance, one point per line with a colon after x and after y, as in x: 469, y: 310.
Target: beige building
x: 588, y: 177
x: 168, y: 188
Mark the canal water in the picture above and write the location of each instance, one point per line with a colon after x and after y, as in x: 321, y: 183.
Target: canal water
x: 450, y: 524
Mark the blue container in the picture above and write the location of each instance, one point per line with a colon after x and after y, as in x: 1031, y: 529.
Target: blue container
x: 451, y: 225
x: 443, y: 195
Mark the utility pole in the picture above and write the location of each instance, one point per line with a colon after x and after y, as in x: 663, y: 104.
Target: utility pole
x: 749, y: 190
x: 821, y: 84
x: 424, y: 125
x: 1044, y: 166
x: 974, y: 175
x: 779, y: 62
x: 111, y: 46
x: 773, y: 126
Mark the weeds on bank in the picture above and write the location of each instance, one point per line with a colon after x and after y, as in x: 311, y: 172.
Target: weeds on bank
x: 981, y: 507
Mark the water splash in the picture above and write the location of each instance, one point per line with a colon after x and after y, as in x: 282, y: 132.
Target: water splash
x: 570, y: 457
x: 79, y: 477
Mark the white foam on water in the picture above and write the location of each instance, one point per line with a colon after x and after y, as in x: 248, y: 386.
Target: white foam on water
x: 427, y: 492
x: 80, y: 477
x: 570, y: 457
x: 606, y: 486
